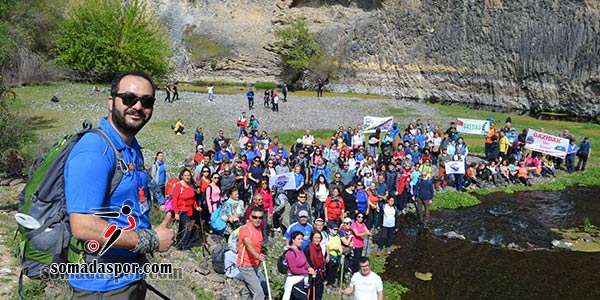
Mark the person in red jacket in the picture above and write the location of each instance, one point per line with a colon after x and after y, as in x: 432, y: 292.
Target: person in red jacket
x: 186, y: 209
x: 334, y: 207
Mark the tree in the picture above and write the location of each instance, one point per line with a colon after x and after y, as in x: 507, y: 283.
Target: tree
x: 103, y: 37
x: 302, y: 54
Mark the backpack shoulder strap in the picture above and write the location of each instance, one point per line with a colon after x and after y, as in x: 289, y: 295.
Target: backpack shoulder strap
x: 120, y: 165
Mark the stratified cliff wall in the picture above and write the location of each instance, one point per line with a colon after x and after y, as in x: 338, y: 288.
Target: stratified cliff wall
x: 529, y: 54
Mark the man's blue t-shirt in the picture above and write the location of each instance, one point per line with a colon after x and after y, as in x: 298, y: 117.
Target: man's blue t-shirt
x: 87, y: 176
x: 306, y: 231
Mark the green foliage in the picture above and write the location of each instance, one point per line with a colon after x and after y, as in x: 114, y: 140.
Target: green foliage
x: 297, y: 45
x: 8, y: 45
x: 588, y: 227
x: 202, y: 294
x: 202, y: 49
x: 393, y: 290
x: 15, y: 131
x: 32, y: 289
x: 453, y: 200
x: 263, y: 85
x: 104, y: 37
x: 301, y: 52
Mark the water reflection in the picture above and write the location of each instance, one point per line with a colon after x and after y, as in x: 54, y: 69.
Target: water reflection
x: 473, y: 270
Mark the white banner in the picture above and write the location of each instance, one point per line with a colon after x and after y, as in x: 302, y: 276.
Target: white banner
x: 472, y: 126
x: 547, y: 144
x: 286, y: 181
x: 372, y: 123
x: 455, y: 167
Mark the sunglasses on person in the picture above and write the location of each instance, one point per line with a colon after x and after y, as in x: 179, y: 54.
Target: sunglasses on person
x: 257, y: 217
x: 216, y: 177
x: 130, y: 99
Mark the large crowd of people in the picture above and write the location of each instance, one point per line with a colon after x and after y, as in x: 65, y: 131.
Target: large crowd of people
x: 347, y: 189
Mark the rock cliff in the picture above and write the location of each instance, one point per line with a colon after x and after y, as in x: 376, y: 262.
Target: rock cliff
x: 537, y: 55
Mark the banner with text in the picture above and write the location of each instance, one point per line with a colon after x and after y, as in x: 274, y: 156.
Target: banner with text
x: 547, y: 144
x: 455, y: 167
x: 370, y: 124
x: 472, y: 126
x: 286, y: 181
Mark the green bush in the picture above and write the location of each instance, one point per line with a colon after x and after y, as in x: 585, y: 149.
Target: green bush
x: 263, y: 85
x: 103, y: 37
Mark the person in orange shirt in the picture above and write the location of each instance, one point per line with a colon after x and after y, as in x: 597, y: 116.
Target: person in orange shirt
x: 488, y: 138
x: 249, y: 255
x: 523, y: 173
x: 372, y: 208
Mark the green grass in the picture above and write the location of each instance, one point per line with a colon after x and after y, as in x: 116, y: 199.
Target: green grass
x: 203, y: 49
x: 263, y: 85
x: 453, y: 200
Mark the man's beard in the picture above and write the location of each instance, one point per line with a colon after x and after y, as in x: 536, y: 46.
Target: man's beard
x: 118, y: 118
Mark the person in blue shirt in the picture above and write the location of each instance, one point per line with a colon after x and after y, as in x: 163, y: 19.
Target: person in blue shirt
x: 395, y: 133
x: 199, y: 137
x: 303, y: 226
x: 159, y: 178
x: 570, y: 158
x: 585, y: 150
x: 87, y: 174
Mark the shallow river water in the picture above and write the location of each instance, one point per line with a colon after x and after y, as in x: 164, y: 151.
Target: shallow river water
x: 481, y: 268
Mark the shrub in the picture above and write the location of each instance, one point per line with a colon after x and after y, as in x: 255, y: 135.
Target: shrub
x: 15, y: 131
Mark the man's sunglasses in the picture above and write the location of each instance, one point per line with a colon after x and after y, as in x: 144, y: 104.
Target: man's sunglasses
x: 130, y: 99
x: 257, y: 217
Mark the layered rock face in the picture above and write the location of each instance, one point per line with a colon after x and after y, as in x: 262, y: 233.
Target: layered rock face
x: 530, y: 54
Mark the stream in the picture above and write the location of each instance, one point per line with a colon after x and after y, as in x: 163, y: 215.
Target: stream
x: 482, y: 267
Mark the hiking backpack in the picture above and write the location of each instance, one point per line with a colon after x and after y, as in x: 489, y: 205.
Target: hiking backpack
x: 282, y: 265
x: 43, y: 221
x: 218, y: 258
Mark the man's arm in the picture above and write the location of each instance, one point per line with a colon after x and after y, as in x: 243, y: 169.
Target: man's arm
x: 250, y: 248
x: 87, y: 227
x: 380, y: 295
x: 350, y: 289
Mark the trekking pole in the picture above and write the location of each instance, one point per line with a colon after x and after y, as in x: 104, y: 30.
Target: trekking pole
x: 342, y: 275
x: 367, y: 245
x: 267, y: 279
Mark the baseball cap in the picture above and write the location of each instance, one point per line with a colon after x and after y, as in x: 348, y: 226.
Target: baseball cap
x: 298, y: 141
x: 332, y: 224
x: 347, y: 220
x: 586, y: 138
x: 318, y: 220
x: 200, y: 147
x: 188, y: 162
x: 302, y: 213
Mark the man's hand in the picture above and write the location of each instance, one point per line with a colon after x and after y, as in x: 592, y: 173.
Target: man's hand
x: 165, y: 235
x: 262, y: 257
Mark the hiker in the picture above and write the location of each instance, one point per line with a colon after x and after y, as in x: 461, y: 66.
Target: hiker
x: 570, y: 158
x: 249, y: 255
x: 298, y: 269
x: 175, y: 93
x: 360, y: 232
x: 242, y: 123
x: 54, y: 99
x: 585, y: 150
x: 250, y: 96
x: 388, y: 226
x: 199, y: 137
x: 234, y: 211
x: 168, y: 94
x: 179, y: 127
x: 366, y: 285
x: 320, y: 88
x: 187, y: 211
x: 303, y: 226
x: 266, y: 99
x: 158, y: 173
x: 424, y: 192
x: 316, y: 260
x: 284, y: 90
x: 88, y: 168
x: 211, y: 94
x: 275, y: 101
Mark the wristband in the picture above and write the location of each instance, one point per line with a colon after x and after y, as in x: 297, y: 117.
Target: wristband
x: 147, y: 241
